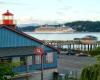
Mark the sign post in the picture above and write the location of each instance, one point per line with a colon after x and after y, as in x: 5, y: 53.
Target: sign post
x: 40, y: 51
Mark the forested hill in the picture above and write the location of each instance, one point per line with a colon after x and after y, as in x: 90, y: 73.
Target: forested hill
x: 87, y: 26
x: 79, y: 26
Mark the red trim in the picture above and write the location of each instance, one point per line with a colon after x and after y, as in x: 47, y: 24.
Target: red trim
x: 38, y: 51
x: 30, y: 37
x: 7, y: 13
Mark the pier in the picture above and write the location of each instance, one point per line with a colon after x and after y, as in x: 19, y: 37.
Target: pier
x: 82, y: 45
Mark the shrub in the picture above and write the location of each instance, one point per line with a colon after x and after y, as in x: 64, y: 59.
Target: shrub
x: 91, y: 72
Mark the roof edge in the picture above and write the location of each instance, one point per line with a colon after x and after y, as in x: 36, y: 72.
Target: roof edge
x: 30, y: 37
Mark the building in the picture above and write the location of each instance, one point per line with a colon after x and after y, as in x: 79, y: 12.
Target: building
x: 18, y: 47
x: 87, y: 39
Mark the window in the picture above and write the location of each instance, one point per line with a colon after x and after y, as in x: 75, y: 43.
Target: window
x: 22, y: 60
x: 8, y: 17
x: 5, y: 60
x: 49, y: 57
x: 16, y: 61
x: 29, y: 60
x: 46, y: 58
x: 37, y: 59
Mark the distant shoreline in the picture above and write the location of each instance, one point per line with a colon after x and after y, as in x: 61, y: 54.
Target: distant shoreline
x: 61, y: 33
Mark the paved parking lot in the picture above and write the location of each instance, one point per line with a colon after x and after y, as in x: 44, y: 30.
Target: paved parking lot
x: 72, y: 63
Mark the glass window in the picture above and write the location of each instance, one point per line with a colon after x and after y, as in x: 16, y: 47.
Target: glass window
x: 8, y: 17
x: 8, y: 60
x: 49, y: 57
x: 5, y: 60
x: 37, y: 59
x: 23, y: 60
x: 16, y: 61
x: 29, y: 60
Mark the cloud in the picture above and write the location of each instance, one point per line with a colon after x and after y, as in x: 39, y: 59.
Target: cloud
x: 1, y: 2
x: 94, y: 11
x: 63, y: 10
x: 11, y: 3
x: 26, y: 5
x: 60, y: 0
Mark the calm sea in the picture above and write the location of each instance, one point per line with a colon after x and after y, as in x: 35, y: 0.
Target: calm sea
x: 63, y: 36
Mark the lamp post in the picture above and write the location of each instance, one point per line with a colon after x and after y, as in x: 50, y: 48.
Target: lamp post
x: 40, y: 51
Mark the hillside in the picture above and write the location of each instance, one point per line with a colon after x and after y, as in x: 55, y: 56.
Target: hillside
x: 86, y: 26
x: 79, y: 26
x: 27, y: 27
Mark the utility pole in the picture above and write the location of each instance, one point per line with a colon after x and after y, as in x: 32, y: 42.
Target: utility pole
x: 40, y: 51
x: 41, y: 67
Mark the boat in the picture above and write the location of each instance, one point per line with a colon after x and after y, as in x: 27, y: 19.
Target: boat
x: 52, y: 29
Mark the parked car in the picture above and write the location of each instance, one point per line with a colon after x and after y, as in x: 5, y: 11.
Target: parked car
x: 71, y: 52
x: 82, y: 54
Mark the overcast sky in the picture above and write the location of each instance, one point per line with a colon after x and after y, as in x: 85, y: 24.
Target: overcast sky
x: 52, y: 10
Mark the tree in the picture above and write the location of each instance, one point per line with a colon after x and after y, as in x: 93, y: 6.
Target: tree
x: 5, y: 69
x: 95, y: 52
x: 91, y: 72
x: 98, y: 59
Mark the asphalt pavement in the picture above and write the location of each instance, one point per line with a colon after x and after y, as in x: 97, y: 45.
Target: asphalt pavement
x: 74, y: 63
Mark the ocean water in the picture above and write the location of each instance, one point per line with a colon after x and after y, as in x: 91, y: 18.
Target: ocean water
x: 63, y: 36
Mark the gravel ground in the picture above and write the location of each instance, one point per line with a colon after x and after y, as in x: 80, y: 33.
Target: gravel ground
x: 74, y: 63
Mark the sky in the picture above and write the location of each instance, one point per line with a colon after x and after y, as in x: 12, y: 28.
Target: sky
x: 28, y: 11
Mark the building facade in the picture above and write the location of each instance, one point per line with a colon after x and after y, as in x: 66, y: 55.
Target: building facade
x: 18, y: 48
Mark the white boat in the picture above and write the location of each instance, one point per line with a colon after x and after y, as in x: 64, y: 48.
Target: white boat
x: 50, y: 29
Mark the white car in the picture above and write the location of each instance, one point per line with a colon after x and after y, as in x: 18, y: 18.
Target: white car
x: 82, y: 54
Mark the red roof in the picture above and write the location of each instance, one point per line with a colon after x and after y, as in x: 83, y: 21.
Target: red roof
x: 8, y: 13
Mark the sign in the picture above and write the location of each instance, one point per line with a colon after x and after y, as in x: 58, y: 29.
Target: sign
x: 38, y: 51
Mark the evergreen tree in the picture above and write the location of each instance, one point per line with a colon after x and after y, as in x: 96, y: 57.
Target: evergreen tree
x: 91, y: 72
